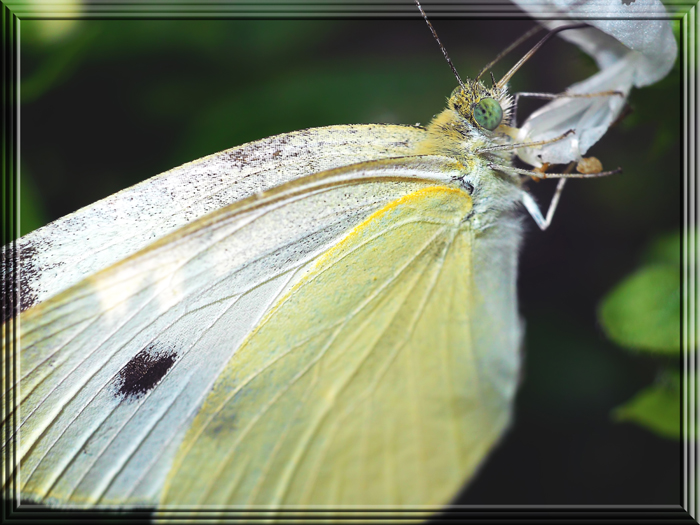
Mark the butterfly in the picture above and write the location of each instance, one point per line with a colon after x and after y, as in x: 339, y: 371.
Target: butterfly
x: 327, y: 317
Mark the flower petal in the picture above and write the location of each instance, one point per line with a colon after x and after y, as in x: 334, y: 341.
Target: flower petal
x: 632, y: 44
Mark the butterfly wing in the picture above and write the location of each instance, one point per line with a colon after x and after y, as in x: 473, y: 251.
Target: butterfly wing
x: 372, y: 381
x: 114, y: 370
x: 59, y: 255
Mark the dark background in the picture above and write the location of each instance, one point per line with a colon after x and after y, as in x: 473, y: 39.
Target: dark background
x: 107, y: 103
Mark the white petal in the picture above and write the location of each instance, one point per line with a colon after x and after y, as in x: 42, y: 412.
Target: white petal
x: 640, y: 26
x: 632, y: 44
x: 589, y: 117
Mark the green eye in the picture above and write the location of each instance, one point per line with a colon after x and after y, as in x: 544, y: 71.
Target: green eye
x: 488, y: 113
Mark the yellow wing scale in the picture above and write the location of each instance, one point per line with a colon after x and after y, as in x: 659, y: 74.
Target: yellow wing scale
x: 361, y: 386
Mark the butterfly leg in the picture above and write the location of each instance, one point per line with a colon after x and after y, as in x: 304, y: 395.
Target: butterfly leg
x: 529, y: 202
x: 552, y: 96
x: 534, y: 210
x: 545, y: 175
x: 516, y: 145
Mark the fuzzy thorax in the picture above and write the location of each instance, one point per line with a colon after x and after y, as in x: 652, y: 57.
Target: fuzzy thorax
x: 457, y: 133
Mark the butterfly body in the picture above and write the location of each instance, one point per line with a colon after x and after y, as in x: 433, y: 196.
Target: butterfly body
x: 455, y: 133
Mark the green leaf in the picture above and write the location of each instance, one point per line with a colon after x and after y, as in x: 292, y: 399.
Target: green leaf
x: 656, y: 408
x: 668, y: 248
x: 644, y: 311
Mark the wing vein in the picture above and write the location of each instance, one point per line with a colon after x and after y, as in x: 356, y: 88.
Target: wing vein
x: 449, y: 380
x: 227, y: 457
x: 155, y: 295
x: 276, y: 358
x: 169, y: 276
x: 205, y: 392
x: 172, y: 323
x: 370, y: 389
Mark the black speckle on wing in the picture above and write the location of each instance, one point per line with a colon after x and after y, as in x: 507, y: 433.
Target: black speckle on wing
x: 9, y: 282
x: 18, y: 272
x: 145, y: 370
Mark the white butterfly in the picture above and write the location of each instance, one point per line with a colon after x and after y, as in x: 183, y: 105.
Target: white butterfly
x: 327, y: 317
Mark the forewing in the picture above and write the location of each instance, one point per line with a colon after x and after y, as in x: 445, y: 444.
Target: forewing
x: 363, y: 385
x: 57, y: 256
x: 114, y: 369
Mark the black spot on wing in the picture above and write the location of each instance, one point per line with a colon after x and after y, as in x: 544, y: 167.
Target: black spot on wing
x: 145, y: 370
x: 18, y: 273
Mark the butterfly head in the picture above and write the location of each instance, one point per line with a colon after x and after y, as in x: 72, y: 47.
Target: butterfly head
x: 484, y: 108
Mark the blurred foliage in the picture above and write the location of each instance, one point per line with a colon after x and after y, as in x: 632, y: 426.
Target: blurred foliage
x: 31, y: 210
x: 68, y: 57
x: 667, y: 249
x: 49, y: 29
x: 643, y: 313
x: 114, y: 102
x: 657, y: 407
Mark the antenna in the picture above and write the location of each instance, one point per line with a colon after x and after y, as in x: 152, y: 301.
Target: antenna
x: 507, y: 50
x: 444, y: 51
x: 538, y: 45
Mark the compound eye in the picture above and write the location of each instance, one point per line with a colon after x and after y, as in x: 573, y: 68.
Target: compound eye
x: 488, y: 113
